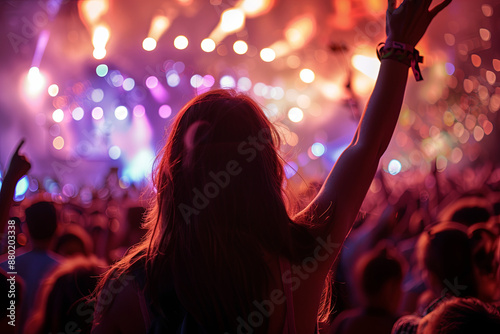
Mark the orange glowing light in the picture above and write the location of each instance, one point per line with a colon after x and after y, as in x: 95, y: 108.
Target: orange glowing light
x: 92, y: 10
x: 253, y: 8
x: 300, y: 31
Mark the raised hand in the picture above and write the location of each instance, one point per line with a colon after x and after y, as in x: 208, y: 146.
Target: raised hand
x: 19, y: 165
x: 408, y: 22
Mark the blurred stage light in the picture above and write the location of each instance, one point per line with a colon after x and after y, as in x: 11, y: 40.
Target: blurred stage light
x: 295, y: 115
x: 114, y: 152
x: 254, y: 8
x: 92, y: 10
x: 196, y: 81
x: 208, y: 45
x: 277, y: 93
x: 77, y: 113
x: 267, y: 55
x: 58, y: 143
x: 21, y: 188
x: 149, y: 44
x: 35, y: 82
x: 99, y: 40
x: 318, y: 149
x: 181, y: 42
x: 208, y: 80
x: 244, y: 84
x: 165, y: 111
x: 366, y: 65
x: 227, y: 81
x: 151, y: 82
x: 240, y: 47
x: 58, y: 115
x: 232, y: 20
x: 116, y: 78
x: 139, y: 110
x: 97, y: 95
x: 300, y: 31
x: 99, y: 53
x: 97, y: 113
x: 140, y: 167
x: 53, y: 90
x: 101, y: 70
x: 290, y: 169
x: 128, y: 84
x: 394, y: 167
x: 173, y: 78
x: 121, y: 113
x: 159, y: 24
x: 307, y: 75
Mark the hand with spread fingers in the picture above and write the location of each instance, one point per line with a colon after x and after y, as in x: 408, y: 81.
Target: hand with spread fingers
x: 408, y: 22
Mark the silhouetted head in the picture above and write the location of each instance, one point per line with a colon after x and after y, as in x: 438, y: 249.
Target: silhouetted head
x: 41, y: 219
x: 73, y: 241
x: 461, y: 316
x: 468, y: 211
x: 379, y: 274
x: 445, y: 254
x: 219, y: 206
x: 484, y: 246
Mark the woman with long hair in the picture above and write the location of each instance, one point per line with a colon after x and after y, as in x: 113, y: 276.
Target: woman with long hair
x: 221, y: 253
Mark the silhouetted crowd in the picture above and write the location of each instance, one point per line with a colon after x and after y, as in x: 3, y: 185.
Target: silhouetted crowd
x: 418, y: 259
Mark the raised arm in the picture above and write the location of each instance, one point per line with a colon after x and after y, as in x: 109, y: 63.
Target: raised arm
x: 334, y: 209
x: 18, y: 167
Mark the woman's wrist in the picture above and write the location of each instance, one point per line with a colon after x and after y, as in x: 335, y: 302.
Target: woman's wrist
x: 403, y: 53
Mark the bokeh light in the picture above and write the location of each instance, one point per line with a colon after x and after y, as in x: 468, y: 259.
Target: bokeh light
x: 232, y: 20
x: 290, y: 169
x: 307, y: 75
x: 318, y: 149
x: 114, y: 152
x: 121, y: 113
x: 128, y: 84
x: 35, y: 81
x: 151, y: 82
x: 267, y: 55
x: 101, y: 70
x: 227, y: 81
x: 394, y: 167
x: 240, y: 47
x: 139, y: 110
x: 53, y: 90
x: 99, y: 40
x: 58, y: 115
x: 196, y: 81
x: 173, y: 78
x: 97, y: 95
x: 208, y: 45
x: 149, y: 44
x: 295, y: 114
x: 97, y: 113
x: 254, y: 8
x: 165, y: 111
x: 181, y: 42
x: 21, y: 188
x: 58, y: 143
x: 77, y: 113
x: 244, y: 84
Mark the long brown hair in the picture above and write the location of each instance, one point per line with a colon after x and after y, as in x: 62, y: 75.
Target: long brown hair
x: 219, y: 208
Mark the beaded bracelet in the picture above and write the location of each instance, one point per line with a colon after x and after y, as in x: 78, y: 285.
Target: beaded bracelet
x: 403, y: 53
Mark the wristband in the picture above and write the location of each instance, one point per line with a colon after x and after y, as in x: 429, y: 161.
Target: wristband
x: 403, y: 53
